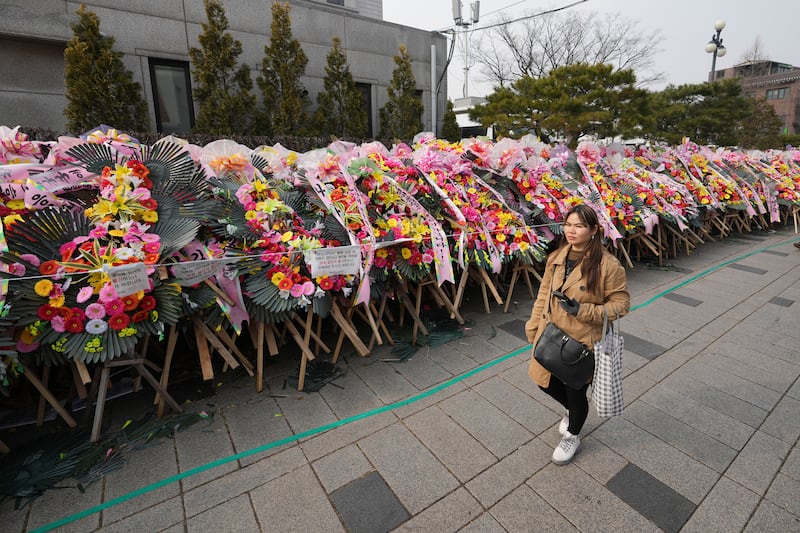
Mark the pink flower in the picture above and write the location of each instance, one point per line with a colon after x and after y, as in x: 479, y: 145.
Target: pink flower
x: 151, y: 247
x: 309, y: 288
x: 296, y: 290
x: 30, y: 258
x: 84, y: 294
x: 95, y: 311
x: 107, y: 293
x: 98, y: 232
x: 57, y: 323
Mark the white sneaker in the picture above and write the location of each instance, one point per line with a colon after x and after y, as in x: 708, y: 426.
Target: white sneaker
x: 567, y: 448
x: 562, y: 427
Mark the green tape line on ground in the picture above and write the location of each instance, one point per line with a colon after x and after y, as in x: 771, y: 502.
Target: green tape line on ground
x: 360, y: 416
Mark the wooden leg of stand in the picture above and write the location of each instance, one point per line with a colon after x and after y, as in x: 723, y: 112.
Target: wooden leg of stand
x: 78, y: 379
x: 157, y: 386
x: 3, y: 448
x: 348, y: 329
x: 101, y: 403
x: 42, y: 401
x: 54, y: 403
x: 490, y: 284
x: 447, y: 303
x: 462, y: 283
x: 204, y: 354
x: 510, y: 293
x: 172, y: 341
x: 231, y: 344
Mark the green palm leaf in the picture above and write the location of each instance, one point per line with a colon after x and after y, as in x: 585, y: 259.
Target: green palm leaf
x: 168, y: 162
x: 175, y: 233
x: 95, y: 156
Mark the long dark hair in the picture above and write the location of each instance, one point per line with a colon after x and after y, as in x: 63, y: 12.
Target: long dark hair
x: 593, y: 254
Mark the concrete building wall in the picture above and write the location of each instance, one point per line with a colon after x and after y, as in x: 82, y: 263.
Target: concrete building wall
x: 33, y: 34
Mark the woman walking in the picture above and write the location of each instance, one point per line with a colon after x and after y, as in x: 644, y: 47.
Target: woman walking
x: 585, y: 279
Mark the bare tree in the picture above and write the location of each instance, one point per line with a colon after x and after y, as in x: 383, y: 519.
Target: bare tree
x: 533, y: 47
x: 756, y: 52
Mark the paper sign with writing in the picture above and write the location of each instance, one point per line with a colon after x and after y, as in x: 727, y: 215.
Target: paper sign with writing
x: 194, y: 272
x: 341, y: 260
x: 128, y: 279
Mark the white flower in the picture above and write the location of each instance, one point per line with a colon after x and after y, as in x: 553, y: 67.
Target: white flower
x: 231, y: 229
x: 284, y: 294
x: 124, y: 254
x: 96, y: 326
x: 319, y: 293
x: 346, y: 291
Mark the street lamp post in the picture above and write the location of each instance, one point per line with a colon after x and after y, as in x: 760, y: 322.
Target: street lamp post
x: 716, y: 48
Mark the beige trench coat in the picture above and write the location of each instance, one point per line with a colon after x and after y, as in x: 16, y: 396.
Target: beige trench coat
x: 587, y: 326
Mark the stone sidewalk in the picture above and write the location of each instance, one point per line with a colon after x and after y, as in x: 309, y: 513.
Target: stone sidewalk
x: 458, y: 439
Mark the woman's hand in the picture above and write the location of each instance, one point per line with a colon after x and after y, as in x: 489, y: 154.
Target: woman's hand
x: 570, y: 305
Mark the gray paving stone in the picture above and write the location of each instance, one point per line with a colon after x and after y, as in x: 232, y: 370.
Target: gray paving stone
x: 783, y: 302
x: 746, y: 268
x: 597, y: 460
x: 506, y: 341
x: 341, y: 436
x: 450, y: 443
x: 499, y: 480
x: 234, y: 515
x: 203, y: 444
x: 731, y: 384
x: 255, y: 426
x: 60, y: 504
x: 722, y: 427
x: 341, y: 467
x: 498, y: 432
x: 478, y: 348
x: 422, y: 371
x: 517, y: 375
x: 523, y: 507
x: 681, y: 299
x: 485, y: 523
x: 305, y: 411
x: 454, y: 361
x: 160, y: 516
x: 791, y: 467
x: 294, y: 502
x: 717, y: 399
x: 424, y: 401
x: 642, y: 347
x: 414, y: 474
x: 636, y: 384
x: 450, y: 513
x: 368, y: 505
x: 13, y: 519
x: 515, y: 327
x: 672, y: 467
x: 531, y: 414
x: 350, y: 397
x: 754, y: 354
x: 588, y: 505
x: 770, y: 517
x: 784, y: 492
x: 386, y: 381
x: 784, y: 421
x: 759, y: 461
x: 794, y: 391
x: 727, y: 508
x: 242, y: 480
x: 694, y: 443
x: 152, y: 463
x: 656, y: 501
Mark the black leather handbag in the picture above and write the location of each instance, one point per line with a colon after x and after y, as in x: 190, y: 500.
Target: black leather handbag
x: 564, y: 357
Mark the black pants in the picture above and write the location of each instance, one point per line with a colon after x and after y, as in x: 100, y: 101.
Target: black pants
x: 574, y: 400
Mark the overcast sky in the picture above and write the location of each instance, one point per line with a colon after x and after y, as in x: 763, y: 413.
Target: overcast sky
x: 685, y: 25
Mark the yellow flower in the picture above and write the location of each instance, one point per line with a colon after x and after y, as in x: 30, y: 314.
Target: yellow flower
x: 381, y: 252
x: 57, y: 302
x: 501, y: 237
x: 392, y: 222
x: 43, y: 287
x: 16, y: 204
x: 406, y: 253
x: 277, y: 277
x: 10, y: 219
x: 291, y: 159
x: 286, y: 237
x: 150, y: 216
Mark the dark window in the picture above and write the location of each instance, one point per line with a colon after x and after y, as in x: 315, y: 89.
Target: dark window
x: 366, y: 104
x: 776, y: 94
x: 172, y: 95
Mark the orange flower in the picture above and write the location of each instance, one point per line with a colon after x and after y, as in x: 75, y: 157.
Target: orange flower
x: 285, y: 284
x: 48, y: 268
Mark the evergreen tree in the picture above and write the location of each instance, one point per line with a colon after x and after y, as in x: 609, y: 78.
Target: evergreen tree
x: 339, y: 110
x: 285, y: 98
x: 222, y: 90
x: 450, y: 128
x: 98, y: 87
x: 401, y: 116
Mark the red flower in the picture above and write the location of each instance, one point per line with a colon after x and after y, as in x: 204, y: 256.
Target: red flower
x: 139, y: 316
x: 48, y: 268
x: 130, y: 302
x: 114, y: 306
x: 150, y: 203
x: 73, y: 325
x: 65, y: 312
x: 285, y: 284
x: 78, y: 313
x: 150, y: 259
x: 47, y: 312
x: 326, y: 284
x: 119, y: 321
x: 67, y: 249
x: 148, y: 303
